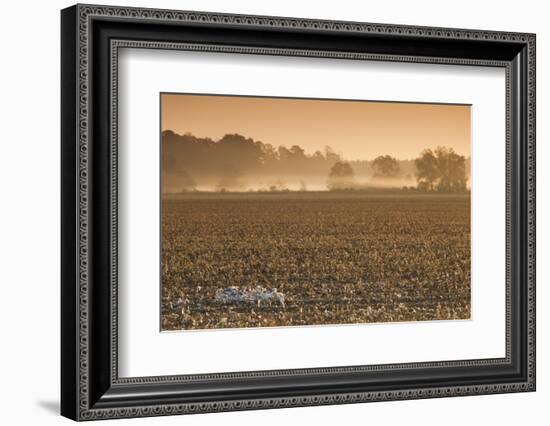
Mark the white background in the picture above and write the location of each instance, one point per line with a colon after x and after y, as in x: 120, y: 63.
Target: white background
x: 146, y: 352
x: 29, y: 225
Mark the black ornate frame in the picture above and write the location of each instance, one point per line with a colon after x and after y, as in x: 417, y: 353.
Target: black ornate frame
x: 91, y: 38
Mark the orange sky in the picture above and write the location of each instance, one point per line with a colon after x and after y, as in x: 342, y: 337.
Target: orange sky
x: 359, y: 130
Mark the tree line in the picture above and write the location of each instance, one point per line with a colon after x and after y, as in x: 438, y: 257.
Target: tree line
x: 441, y: 170
x: 234, y: 160
x: 188, y: 160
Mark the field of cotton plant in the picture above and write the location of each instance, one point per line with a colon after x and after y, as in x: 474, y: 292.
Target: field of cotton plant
x: 232, y: 260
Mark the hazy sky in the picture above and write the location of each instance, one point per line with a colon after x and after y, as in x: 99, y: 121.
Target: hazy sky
x: 358, y: 130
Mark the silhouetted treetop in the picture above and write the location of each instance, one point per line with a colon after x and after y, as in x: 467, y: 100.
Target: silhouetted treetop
x: 386, y: 166
x: 441, y: 170
x: 226, y: 162
x: 341, y: 176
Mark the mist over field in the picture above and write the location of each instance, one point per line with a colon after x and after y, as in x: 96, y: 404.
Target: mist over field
x: 237, y: 163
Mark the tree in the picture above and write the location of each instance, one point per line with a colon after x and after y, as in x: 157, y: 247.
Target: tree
x: 340, y: 177
x: 385, y: 166
x: 441, y: 170
x: 298, y: 152
x: 427, y: 170
x: 453, y: 171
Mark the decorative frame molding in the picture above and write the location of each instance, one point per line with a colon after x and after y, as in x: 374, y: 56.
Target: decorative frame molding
x: 91, y: 37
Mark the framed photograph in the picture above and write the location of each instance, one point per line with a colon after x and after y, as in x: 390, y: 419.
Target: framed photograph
x: 263, y: 212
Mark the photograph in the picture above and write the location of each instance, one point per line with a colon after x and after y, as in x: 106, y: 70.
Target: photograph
x: 279, y: 212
